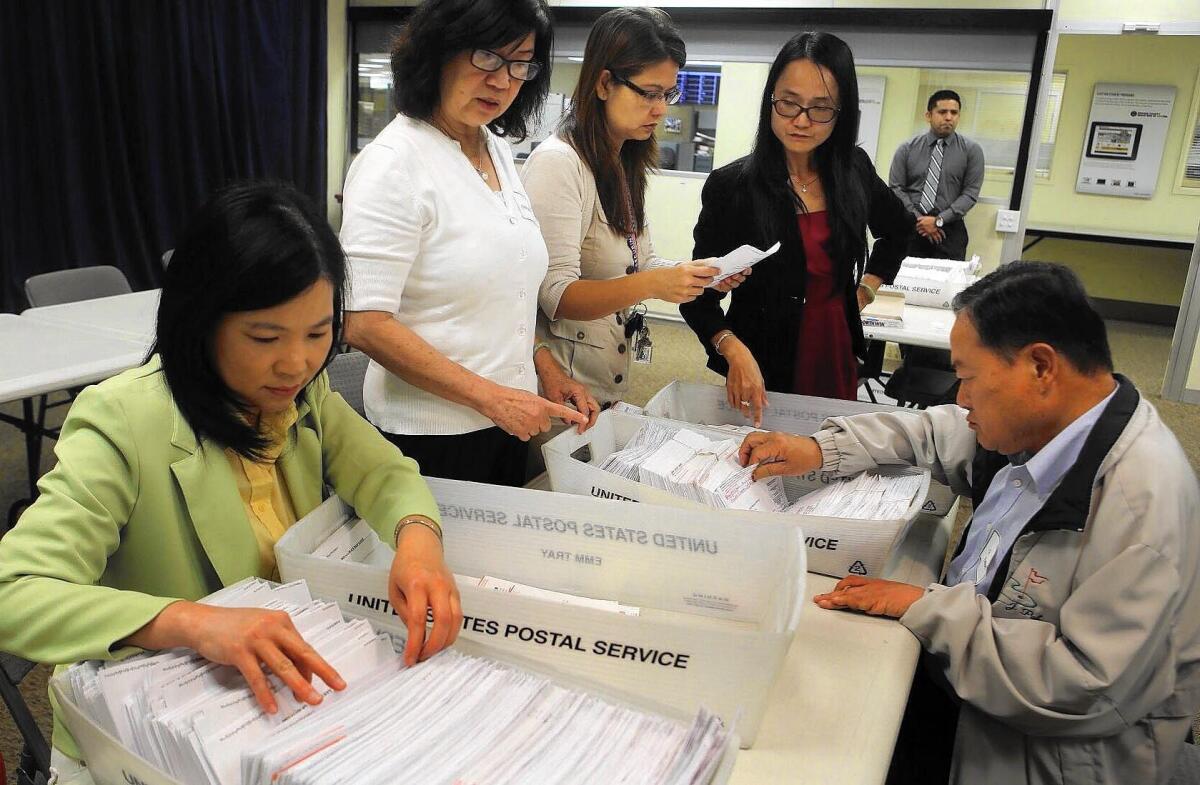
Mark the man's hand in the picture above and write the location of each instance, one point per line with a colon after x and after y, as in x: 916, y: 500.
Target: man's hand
x: 871, y: 595
x: 779, y: 453
x: 927, y: 227
x: 420, y: 584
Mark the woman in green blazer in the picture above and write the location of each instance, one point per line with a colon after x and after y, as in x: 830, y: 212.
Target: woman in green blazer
x: 174, y: 479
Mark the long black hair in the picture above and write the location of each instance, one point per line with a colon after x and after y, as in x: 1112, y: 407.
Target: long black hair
x: 250, y: 246
x: 440, y: 29
x: 623, y: 41
x: 766, y: 173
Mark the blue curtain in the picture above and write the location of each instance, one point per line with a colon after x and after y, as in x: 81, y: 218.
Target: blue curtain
x: 120, y: 116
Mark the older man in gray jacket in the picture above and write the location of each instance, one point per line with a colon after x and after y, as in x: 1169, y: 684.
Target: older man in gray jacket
x: 1066, y: 631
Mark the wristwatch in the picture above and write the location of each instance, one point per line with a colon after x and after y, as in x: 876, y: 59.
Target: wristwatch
x: 939, y: 223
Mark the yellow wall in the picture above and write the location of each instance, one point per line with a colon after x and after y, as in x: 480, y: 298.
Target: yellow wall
x: 1086, y: 60
x: 336, y: 65
x: 1120, y: 272
x: 1143, y: 11
x: 1193, y: 380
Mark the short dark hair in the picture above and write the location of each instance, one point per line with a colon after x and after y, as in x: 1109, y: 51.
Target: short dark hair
x: 1023, y: 303
x: 623, y: 41
x: 250, y: 246
x: 943, y: 95
x: 440, y: 29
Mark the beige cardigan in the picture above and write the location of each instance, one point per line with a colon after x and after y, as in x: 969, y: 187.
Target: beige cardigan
x: 582, y: 246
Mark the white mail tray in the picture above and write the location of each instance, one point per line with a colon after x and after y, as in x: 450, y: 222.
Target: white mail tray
x: 836, y: 546
x: 705, y: 404
x: 719, y: 604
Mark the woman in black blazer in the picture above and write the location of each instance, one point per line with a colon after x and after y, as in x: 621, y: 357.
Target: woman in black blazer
x: 793, y: 325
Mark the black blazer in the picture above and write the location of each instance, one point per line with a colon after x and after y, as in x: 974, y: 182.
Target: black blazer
x: 766, y: 309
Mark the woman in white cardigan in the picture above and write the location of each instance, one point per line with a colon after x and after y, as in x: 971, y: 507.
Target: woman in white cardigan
x: 446, y: 256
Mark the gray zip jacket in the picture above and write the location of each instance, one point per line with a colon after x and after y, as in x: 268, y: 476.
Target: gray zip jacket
x: 1082, y: 665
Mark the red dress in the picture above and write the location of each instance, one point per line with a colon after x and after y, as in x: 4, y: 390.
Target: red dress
x: 825, y: 362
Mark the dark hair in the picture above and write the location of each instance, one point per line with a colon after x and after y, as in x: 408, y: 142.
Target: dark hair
x: 766, y: 171
x: 250, y: 246
x: 1037, y: 302
x: 942, y: 95
x: 438, y: 30
x: 623, y: 41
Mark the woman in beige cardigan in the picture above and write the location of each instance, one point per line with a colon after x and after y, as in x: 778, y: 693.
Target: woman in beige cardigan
x: 587, y: 185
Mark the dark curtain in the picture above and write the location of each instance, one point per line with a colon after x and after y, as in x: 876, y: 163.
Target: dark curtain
x: 120, y: 116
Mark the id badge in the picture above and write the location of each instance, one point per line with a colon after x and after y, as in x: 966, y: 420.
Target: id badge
x: 643, y: 349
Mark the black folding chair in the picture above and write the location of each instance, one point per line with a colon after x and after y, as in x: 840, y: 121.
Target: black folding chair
x: 33, y: 768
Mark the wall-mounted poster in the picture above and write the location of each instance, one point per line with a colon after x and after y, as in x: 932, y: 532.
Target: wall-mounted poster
x: 870, y: 105
x: 1126, y: 131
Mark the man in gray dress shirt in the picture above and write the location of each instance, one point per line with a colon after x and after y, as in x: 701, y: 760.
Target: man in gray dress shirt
x: 938, y: 175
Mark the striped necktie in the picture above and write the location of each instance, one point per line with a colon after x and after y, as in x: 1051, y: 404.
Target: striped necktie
x: 929, y: 192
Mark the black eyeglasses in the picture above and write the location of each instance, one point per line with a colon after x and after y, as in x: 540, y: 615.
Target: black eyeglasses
x: 522, y: 70
x: 670, y: 96
x: 790, y: 109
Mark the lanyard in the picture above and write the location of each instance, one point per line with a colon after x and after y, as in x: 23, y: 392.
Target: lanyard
x: 631, y: 238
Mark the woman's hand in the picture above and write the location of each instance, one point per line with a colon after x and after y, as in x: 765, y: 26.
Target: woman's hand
x: 420, y: 583
x: 745, y: 388
x: 733, y: 281
x: 874, y: 281
x: 243, y: 638
x: 562, y: 389
x: 779, y: 454
x: 681, y: 283
x: 525, y: 415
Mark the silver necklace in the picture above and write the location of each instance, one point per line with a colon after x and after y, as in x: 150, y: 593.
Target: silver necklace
x: 803, y: 186
x: 477, y: 164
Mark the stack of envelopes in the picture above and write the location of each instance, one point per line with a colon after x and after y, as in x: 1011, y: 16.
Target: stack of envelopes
x: 692, y: 466
x: 452, y: 719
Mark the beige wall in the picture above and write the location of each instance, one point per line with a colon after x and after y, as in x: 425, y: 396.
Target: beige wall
x: 1193, y: 380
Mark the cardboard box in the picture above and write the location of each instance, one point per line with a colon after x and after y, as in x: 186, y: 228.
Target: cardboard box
x: 836, y: 546
x: 719, y: 604
x: 705, y: 404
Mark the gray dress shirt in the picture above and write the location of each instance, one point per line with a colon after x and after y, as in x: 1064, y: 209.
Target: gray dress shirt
x: 959, y: 184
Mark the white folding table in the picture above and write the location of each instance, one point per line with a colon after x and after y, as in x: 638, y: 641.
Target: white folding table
x: 59, y: 347
x: 836, y: 708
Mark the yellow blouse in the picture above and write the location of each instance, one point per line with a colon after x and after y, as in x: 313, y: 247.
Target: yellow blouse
x: 263, y: 491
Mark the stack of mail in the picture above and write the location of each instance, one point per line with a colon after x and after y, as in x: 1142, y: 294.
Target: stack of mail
x: 452, y: 719
x: 932, y: 282
x: 869, y: 496
x: 692, y: 466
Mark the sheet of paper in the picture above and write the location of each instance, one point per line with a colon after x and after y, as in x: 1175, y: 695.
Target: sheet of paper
x: 740, y: 259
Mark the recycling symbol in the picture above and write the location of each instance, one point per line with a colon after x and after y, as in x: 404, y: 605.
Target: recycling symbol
x: 929, y: 506
x: 858, y: 568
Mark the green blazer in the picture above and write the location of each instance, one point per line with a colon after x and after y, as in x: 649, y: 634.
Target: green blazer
x: 138, y: 513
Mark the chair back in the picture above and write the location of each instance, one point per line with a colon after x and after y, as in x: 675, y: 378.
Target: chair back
x: 346, y: 374
x: 73, y: 285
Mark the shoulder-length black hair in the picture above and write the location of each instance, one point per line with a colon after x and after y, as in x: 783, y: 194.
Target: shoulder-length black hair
x: 250, y: 246
x: 440, y: 29
x: 845, y: 195
x: 623, y: 42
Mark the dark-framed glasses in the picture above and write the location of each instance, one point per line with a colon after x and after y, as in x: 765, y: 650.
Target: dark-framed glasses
x: 670, y: 96
x: 790, y: 109
x: 521, y: 70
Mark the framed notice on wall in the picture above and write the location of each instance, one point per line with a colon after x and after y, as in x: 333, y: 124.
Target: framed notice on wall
x: 870, y: 105
x: 1123, y: 146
